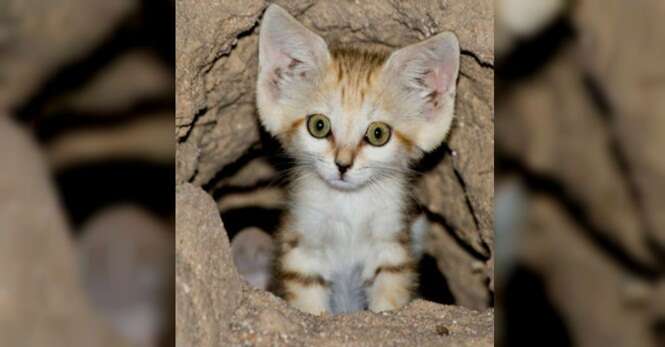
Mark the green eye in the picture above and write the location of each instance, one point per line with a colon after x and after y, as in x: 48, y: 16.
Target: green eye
x: 318, y: 125
x: 378, y: 134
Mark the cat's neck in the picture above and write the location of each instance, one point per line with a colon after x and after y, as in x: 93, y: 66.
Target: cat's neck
x: 391, y: 189
x: 381, y: 204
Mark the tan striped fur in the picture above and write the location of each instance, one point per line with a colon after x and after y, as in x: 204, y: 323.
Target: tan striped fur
x: 345, y: 245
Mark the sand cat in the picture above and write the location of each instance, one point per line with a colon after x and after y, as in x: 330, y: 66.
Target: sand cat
x: 354, y: 120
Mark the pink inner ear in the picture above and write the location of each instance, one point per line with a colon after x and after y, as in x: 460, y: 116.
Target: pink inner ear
x: 280, y: 64
x: 437, y: 80
x: 277, y: 58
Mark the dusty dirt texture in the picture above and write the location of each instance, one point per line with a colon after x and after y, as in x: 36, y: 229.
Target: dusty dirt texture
x: 202, y: 256
x: 39, y: 37
x: 215, y: 100
x: 41, y: 298
x: 215, y: 307
x: 583, y: 130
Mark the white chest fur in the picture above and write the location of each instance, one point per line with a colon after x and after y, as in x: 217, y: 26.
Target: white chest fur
x: 343, y: 229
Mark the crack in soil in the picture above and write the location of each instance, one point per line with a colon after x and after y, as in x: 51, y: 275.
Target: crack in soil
x: 461, y: 182
x: 190, y: 126
x: 209, y: 65
x: 451, y: 231
x: 479, y: 61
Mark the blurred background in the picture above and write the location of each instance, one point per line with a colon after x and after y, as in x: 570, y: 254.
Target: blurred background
x: 580, y: 173
x: 86, y: 172
x: 87, y: 150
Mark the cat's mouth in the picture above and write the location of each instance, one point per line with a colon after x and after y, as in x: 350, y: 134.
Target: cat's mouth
x: 341, y: 183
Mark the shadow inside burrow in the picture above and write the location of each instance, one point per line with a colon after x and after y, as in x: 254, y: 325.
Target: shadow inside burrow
x: 267, y: 219
x: 432, y: 159
x: 432, y: 284
x: 658, y: 331
x: 525, y: 310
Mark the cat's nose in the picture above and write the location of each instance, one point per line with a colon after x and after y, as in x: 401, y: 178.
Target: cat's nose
x: 342, y: 167
x: 344, y: 160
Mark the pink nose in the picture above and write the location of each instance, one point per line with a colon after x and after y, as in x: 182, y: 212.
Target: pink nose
x: 344, y: 159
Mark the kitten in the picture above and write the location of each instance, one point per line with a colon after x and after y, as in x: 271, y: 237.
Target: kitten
x: 353, y: 120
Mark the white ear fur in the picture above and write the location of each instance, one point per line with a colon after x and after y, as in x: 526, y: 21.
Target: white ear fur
x: 291, y: 57
x: 426, y: 75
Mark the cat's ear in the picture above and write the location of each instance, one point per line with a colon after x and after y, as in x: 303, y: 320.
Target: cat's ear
x: 426, y: 75
x: 287, y: 44
x: 290, y: 56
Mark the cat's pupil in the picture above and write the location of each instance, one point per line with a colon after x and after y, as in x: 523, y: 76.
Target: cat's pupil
x: 377, y: 133
x: 319, y: 125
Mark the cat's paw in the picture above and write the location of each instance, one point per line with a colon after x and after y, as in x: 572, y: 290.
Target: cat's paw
x: 388, y: 302
x: 309, y: 299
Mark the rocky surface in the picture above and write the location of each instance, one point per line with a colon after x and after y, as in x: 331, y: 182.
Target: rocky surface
x: 42, y: 302
x: 215, y: 307
x: 206, y: 33
x: 202, y: 259
x: 216, y: 122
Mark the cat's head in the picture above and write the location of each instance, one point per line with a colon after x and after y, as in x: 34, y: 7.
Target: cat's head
x: 353, y: 117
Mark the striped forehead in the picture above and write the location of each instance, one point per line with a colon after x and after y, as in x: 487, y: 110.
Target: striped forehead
x: 352, y: 85
x: 353, y: 74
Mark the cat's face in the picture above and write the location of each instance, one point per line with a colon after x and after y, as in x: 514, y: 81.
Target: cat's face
x: 345, y: 131
x: 353, y: 117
